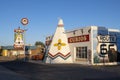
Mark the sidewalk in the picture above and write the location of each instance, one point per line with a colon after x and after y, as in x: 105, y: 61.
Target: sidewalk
x: 6, y: 74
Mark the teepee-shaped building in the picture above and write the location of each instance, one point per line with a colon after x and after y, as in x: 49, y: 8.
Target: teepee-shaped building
x: 59, y: 51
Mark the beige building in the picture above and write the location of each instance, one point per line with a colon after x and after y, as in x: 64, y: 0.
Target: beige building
x: 11, y: 51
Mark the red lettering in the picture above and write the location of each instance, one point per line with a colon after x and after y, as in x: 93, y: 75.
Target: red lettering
x: 83, y: 38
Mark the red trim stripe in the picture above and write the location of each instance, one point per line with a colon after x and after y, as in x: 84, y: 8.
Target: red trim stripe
x: 59, y: 54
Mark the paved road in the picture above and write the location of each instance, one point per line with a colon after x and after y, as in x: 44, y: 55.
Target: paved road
x: 34, y: 71
x: 6, y: 74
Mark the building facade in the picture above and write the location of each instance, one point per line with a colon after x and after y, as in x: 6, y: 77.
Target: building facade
x: 94, y: 45
x: 10, y: 51
x: 91, y: 45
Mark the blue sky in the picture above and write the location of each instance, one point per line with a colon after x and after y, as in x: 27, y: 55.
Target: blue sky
x: 43, y: 16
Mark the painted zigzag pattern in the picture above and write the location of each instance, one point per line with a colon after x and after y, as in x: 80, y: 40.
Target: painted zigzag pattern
x: 59, y: 55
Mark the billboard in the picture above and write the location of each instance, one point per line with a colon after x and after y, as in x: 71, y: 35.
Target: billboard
x: 18, y: 38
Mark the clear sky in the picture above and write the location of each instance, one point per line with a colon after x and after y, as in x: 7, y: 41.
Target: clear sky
x: 43, y: 16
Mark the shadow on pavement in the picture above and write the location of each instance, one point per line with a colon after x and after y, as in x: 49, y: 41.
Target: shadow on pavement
x: 34, y: 71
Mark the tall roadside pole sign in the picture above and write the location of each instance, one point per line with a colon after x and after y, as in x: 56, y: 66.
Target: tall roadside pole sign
x: 24, y: 22
x: 18, y: 41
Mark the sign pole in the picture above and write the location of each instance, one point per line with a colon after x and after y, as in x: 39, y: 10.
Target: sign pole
x: 24, y: 22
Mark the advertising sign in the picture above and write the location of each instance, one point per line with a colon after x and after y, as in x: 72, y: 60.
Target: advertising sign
x: 24, y: 21
x: 76, y: 39
x: 18, y: 39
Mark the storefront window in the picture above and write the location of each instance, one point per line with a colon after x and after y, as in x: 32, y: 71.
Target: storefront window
x: 81, y: 52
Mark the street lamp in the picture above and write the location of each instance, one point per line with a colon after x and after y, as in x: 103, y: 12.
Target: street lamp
x: 24, y: 22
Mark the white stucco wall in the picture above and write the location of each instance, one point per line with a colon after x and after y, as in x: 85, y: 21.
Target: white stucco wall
x: 73, y: 46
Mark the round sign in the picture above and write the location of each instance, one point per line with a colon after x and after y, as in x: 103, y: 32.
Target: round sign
x: 24, y: 21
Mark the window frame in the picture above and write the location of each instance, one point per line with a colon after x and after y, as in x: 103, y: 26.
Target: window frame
x: 81, y: 52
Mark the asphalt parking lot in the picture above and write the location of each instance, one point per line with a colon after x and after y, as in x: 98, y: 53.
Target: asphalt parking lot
x: 40, y: 71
